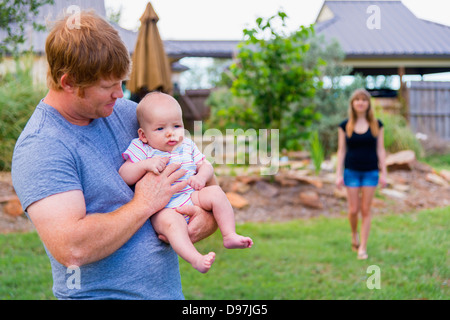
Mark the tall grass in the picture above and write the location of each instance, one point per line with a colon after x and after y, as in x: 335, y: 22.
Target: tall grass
x: 438, y: 161
x: 398, y: 135
x: 18, y: 99
x: 317, y: 151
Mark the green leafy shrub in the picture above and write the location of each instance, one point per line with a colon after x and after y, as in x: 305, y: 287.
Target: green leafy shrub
x: 332, y: 99
x: 270, y: 69
x: 19, y: 98
x: 397, y: 134
x: 230, y: 112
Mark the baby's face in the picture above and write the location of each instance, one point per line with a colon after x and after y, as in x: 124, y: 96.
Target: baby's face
x: 163, y: 128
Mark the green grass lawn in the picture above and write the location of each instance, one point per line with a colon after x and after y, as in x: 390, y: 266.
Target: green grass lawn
x: 302, y: 259
x: 438, y: 162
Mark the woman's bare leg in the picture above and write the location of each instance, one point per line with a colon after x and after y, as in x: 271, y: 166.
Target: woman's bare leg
x: 366, y: 203
x: 353, y: 202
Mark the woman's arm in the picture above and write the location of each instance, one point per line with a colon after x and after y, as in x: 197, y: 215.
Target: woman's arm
x: 340, y: 158
x: 381, y: 153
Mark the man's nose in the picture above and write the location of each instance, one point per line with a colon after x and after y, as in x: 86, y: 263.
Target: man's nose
x: 118, y: 92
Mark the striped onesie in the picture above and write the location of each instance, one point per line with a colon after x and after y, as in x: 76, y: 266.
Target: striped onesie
x: 186, y: 153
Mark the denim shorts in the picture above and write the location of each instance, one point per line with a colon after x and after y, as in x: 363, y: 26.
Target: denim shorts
x: 353, y: 178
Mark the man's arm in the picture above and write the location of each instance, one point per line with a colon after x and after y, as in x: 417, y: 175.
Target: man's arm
x: 74, y: 238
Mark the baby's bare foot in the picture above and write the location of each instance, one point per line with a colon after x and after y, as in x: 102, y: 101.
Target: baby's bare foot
x: 235, y: 241
x: 204, y: 263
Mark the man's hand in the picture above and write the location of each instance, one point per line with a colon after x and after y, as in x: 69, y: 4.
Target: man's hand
x: 154, y: 191
x: 201, y: 223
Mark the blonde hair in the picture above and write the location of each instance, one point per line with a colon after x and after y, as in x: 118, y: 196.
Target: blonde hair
x: 88, y: 52
x: 370, y: 117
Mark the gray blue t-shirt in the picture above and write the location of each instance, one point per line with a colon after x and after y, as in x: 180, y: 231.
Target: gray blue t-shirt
x: 54, y: 156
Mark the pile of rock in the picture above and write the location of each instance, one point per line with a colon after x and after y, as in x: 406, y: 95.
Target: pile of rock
x: 403, y: 170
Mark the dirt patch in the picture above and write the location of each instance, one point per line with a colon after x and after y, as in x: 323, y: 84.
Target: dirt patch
x: 10, y: 223
x: 407, y: 191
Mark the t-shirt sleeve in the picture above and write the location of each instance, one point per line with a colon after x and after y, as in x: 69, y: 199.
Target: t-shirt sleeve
x: 41, y: 169
x: 136, y: 151
x: 343, y: 124
x: 197, y: 155
x: 380, y: 123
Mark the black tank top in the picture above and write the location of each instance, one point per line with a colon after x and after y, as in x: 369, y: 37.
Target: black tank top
x: 361, y: 152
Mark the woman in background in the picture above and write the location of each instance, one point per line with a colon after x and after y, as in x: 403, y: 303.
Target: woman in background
x: 360, y: 157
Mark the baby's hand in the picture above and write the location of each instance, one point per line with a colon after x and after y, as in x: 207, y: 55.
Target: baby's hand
x: 197, y: 182
x: 155, y: 164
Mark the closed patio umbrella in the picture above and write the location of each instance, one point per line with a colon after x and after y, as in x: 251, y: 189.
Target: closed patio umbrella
x: 150, y: 69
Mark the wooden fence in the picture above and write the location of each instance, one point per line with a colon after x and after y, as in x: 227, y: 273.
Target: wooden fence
x: 429, y: 108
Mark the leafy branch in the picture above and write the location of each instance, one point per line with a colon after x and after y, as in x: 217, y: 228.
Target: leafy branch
x: 14, y: 16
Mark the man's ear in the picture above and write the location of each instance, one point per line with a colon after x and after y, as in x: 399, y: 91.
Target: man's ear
x: 142, y: 136
x: 67, y: 83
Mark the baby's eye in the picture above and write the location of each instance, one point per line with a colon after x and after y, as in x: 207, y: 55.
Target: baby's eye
x: 160, y: 129
x: 177, y: 126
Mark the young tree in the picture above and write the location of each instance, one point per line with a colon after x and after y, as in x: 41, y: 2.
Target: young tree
x: 270, y: 69
x: 330, y: 100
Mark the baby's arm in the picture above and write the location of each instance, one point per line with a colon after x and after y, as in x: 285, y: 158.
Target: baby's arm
x: 133, y: 172
x: 205, y: 172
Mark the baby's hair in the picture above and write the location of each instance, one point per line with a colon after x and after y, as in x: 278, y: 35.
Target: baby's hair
x: 140, y: 110
x: 140, y: 107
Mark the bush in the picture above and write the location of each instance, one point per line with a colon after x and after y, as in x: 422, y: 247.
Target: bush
x: 230, y: 112
x: 270, y: 69
x: 19, y: 98
x: 332, y: 99
x: 398, y: 136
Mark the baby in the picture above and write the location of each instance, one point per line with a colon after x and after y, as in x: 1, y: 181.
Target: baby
x: 161, y: 136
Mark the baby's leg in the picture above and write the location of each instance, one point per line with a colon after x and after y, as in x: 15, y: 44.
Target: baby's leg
x: 172, y: 225
x: 213, y: 199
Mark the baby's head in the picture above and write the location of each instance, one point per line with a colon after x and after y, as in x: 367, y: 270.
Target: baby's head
x: 160, y: 121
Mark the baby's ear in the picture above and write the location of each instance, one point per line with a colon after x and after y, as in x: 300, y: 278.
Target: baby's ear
x: 142, y: 137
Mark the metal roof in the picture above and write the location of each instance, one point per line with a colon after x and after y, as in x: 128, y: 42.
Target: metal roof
x: 400, y: 33
x: 49, y: 13
x: 175, y: 49
x: 200, y: 48
x: 401, y: 36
